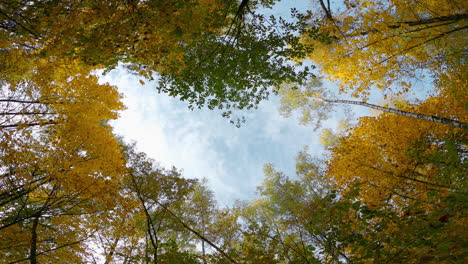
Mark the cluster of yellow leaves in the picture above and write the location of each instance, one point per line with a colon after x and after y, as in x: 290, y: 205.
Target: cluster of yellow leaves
x: 56, y: 146
x: 102, y: 33
x: 384, y: 43
x: 79, y: 107
x: 68, y: 160
x: 376, y: 154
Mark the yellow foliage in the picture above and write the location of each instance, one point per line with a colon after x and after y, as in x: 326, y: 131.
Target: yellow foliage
x: 383, y: 43
x: 377, y: 154
x: 59, y: 148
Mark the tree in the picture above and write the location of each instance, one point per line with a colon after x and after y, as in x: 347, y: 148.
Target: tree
x: 59, y: 159
x: 315, y: 104
x: 156, y: 190
x: 386, y: 44
x: 304, y: 220
x: 172, y: 208
x: 292, y: 220
x: 200, y: 212
x: 206, y: 52
x: 388, y: 155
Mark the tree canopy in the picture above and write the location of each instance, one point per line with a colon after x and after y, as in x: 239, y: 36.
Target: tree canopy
x: 389, y: 187
x: 201, y: 51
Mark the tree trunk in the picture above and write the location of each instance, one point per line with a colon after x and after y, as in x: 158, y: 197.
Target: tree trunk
x: 149, y: 221
x: 203, y: 242
x: 111, y: 251
x: 198, y: 234
x: 432, y: 118
x: 33, y: 248
x: 454, y: 18
x: 326, y: 10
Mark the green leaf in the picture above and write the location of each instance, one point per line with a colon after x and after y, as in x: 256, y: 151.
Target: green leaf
x: 356, y: 205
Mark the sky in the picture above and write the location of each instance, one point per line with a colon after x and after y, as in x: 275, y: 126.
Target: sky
x: 203, y: 144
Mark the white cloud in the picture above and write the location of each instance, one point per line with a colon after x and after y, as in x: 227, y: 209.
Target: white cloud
x: 204, y: 144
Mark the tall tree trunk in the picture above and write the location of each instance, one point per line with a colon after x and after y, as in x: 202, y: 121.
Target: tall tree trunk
x: 454, y: 18
x: 33, y: 248
x: 149, y: 221
x: 203, y: 242
x: 127, y: 256
x: 326, y: 10
x: 432, y: 118
x: 151, y: 232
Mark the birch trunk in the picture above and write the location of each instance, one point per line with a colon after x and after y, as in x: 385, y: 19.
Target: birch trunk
x: 432, y: 118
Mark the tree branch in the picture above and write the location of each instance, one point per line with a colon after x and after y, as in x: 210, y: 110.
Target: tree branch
x: 198, y: 234
x: 431, y: 118
x: 326, y: 10
x: 29, y: 124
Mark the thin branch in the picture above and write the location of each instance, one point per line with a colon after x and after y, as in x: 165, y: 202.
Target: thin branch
x: 27, y: 113
x: 29, y: 124
x: 12, y: 19
x: 326, y: 10
x: 393, y: 191
x: 50, y: 250
x: 456, y: 17
x: 409, y: 178
x: 21, y: 101
x: 285, y: 245
x: 422, y: 43
x: 198, y: 234
x: 396, y: 35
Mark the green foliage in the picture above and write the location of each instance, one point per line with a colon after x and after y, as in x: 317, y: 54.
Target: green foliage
x: 205, y: 52
x: 238, y: 69
x: 307, y: 99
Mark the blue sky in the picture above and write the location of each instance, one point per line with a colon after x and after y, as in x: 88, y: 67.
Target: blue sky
x: 204, y: 144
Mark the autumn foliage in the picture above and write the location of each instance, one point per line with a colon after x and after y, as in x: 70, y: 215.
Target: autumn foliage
x: 390, y: 187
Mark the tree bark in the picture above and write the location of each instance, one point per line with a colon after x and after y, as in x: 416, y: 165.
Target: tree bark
x: 454, y: 18
x: 29, y: 124
x: 149, y: 221
x: 326, y: 10
x: 33, y: 248
x: 431, y: 118
x: 203, y: 242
